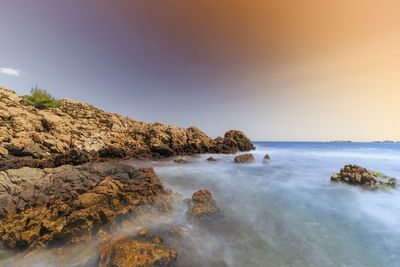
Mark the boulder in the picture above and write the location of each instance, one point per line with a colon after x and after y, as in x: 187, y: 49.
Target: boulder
x: 356, y: 175
x: 144, y: 249
x: 266, y: 158
x: 232, y: 142
x: 203, y: 207
x: 245, y: 158
x: 243, y: 143
x: 180, y: 161
x: 212, y: 159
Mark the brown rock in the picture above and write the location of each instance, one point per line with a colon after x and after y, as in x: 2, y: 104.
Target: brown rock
x: 242, y: 141
x: 354, y: 174
x: 180, y: 161
x: 77, y: 133
x: 203, y: 206
x: 144, y: 249
x: 71, y: 203
x: 245, y: 158
x: 212, y: 159
x: 266, y: 159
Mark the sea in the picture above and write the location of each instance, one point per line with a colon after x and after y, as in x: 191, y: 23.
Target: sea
x: 284, y: 212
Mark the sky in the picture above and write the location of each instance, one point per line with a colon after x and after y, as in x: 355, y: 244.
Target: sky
x: 283, y: 70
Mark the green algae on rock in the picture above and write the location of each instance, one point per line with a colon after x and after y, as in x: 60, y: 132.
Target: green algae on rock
x: 356, y: 175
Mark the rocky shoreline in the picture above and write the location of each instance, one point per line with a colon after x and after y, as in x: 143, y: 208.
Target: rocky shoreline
x: 61, y: 182
x: 53, y: 208
x: 76, y: 133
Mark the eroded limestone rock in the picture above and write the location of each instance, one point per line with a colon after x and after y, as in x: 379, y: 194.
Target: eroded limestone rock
x: 70, y: 203
x: 77, y: 133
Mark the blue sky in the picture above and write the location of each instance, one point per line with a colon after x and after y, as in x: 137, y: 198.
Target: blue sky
x: 275, y: 71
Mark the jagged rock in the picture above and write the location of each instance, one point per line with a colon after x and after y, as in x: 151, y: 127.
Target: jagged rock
x: 144, y: 249
x: 212, y: 159
x: 245, y: 158
x: 70, y: 203
x: 77, y: 133
x: 354, y: 174
x: 243, y: 143
x: 203, y: 206
x: 232, y: 142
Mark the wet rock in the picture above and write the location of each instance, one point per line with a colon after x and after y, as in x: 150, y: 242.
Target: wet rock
x: 212, y: 159
x: 203, y: 206
x: 144, y: 249
x: 266, y: 158
x: 354, y: 174
x: 76, y: 133
x: 180, y: 161
x: 70, y: 203
x: 245, y: 158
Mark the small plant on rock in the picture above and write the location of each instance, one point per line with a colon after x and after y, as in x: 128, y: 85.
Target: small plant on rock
x: 41, y: 99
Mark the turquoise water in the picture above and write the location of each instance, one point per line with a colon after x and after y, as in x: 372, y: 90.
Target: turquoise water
x: 283, y: 213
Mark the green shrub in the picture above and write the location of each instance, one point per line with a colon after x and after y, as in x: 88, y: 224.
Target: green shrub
x: 41, y: 99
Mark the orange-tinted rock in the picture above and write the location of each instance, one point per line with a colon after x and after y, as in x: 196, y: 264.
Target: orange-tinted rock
x: 77, y: 133
x: 144, y: 249
x: 75, y: 201
x: 203, y: 206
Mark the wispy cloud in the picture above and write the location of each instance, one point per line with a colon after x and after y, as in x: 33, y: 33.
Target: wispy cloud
x: 10, y: 71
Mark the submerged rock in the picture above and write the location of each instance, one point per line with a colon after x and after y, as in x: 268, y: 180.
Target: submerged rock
x: 76, y: 133
x: 354, y: 174
x: 180, y: 161
x: 245, y: 158
x: 144, y: 249
x: 203, y: 206
x: 266, y: 158
x: 70, y: 203
x: 212, y: 159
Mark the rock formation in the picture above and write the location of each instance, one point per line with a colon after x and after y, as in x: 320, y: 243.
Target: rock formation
x: 203, y: 207
x: 77, y: 133
x: 70, y: 203
x: 144, y: 249
x: 245, y: 158
x: 180, y: 161
x: 354, y: 174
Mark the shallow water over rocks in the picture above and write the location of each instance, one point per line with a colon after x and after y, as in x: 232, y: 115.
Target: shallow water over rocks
x: 284, y: 213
